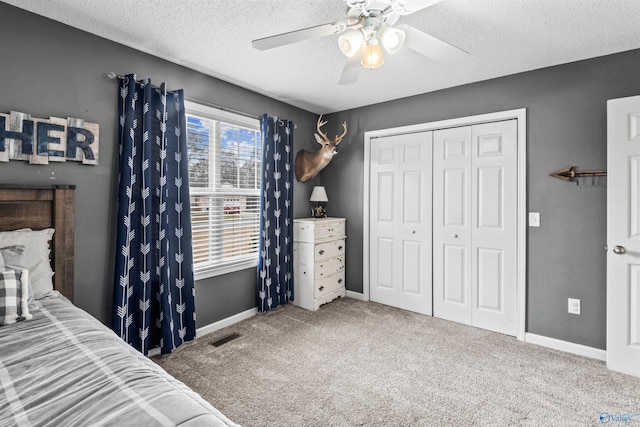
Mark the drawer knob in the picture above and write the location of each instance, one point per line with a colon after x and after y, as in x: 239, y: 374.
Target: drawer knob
x: 339, y: 280
x: 321, y: 251
x: 321, y: 288
x: 340, y: 247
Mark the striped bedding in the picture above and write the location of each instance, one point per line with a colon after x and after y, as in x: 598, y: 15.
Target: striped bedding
x: 65, y: 368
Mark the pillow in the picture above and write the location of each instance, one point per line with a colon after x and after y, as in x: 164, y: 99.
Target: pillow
x: 15, y: 258
x: 36, y: 243
x: 13, y: 297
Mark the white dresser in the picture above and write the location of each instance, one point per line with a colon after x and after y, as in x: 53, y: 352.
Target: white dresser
x: 318, y: 256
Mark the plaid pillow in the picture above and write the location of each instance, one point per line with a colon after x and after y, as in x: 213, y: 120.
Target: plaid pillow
x: 15, y: 258
x: 13, y: 296
x: 36, y: 243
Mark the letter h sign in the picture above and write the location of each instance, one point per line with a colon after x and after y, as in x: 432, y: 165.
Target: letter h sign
x: 40, y: 141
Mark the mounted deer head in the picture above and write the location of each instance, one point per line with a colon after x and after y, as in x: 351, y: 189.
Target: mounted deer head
x: 309, y: 164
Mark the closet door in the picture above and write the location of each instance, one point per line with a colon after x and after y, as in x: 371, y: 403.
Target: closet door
x: 474, y: 225
x: 494, y: 222
x: 400, y: 235
x: 452, y: 224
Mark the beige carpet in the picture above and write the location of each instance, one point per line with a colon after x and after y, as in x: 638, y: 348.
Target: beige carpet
x: 356, y: 363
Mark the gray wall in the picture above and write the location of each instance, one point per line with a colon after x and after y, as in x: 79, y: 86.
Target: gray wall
x: 49, y: 69
x: 566, y: 113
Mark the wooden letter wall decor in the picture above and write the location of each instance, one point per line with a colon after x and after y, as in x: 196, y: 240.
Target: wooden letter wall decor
x: 40, y: 141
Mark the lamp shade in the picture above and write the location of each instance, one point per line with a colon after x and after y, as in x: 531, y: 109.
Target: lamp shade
x: 349, y: 43
x: 391, y: 38
x: 318, y: 194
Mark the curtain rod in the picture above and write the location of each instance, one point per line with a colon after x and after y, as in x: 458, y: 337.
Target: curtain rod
x: 114, y: 76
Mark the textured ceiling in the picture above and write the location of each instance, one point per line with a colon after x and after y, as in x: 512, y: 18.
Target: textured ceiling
x: 214, y: 37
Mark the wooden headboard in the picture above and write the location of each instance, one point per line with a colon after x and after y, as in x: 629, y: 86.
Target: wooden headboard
x: 38, y: 207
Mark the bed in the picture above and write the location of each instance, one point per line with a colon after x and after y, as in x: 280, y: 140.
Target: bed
x: 60, y: 366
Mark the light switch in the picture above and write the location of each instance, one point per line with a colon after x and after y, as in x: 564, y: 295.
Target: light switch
x: 534, y: 219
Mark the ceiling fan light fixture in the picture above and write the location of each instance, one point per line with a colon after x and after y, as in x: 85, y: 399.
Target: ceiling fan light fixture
x: 349, y: 43
x: 391, y: 38
x: 372, y: 54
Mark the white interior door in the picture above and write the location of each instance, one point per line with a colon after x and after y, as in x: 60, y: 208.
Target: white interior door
x: 623, y: 235
x: 400, y: 239
x: 494, y: 226
x: 475, y: 225
x: 452, y: 224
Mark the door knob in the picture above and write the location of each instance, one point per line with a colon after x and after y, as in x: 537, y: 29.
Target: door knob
x: 619, y: 250
x: 455, y: 236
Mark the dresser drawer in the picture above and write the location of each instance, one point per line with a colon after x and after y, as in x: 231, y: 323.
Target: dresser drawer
x: 327, y: 267
x: 330, y: 249
x: 328, y: 229
x: 328, y: 284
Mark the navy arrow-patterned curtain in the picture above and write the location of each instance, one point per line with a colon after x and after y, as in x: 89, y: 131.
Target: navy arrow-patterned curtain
x: 153, y: 298
x: 275, y: 264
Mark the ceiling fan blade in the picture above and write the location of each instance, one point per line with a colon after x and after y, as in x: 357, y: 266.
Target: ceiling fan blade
x: 429, y: 46
x: 351, y: 71
x: 299, y: 35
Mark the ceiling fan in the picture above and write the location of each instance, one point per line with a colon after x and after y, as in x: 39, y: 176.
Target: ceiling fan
x: 369, y: 27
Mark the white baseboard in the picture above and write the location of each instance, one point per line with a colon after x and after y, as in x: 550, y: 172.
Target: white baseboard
x: 556, y: 344
x: 569, y: 347
x: 212, y: 327
x: 356, y: 295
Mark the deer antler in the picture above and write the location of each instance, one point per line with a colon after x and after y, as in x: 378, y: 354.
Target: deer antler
x: 320, y: 124
x: 339, y: 138
x: 308, y: 164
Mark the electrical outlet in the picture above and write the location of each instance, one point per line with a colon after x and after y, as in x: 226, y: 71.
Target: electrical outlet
x: 574, y: 306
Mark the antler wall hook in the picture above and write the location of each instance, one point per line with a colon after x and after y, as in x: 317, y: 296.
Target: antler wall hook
x: 569, y: 173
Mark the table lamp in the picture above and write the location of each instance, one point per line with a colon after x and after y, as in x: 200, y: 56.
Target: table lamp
x: 319, y: 196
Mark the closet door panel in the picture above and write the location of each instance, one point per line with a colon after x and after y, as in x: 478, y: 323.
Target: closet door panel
x: 452, y: 224
x: 400, y: 232
x: 474, y: 225
x: 494, y: 241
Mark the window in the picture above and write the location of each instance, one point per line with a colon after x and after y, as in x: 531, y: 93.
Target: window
x: 225, y: 156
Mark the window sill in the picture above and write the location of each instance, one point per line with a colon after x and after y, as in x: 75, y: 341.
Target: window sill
x: 230, y: 268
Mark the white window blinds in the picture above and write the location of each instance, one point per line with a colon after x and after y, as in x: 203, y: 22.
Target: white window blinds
x: 224, y: 171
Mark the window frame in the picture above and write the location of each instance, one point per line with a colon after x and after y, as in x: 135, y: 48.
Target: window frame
x: 212, y: 113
